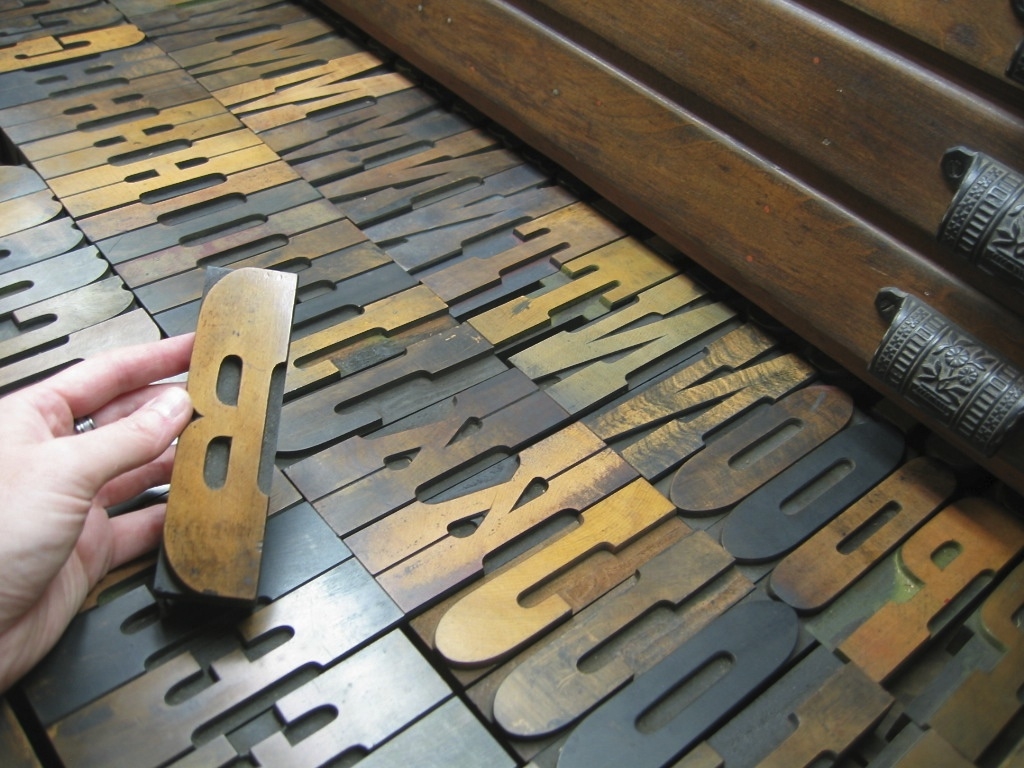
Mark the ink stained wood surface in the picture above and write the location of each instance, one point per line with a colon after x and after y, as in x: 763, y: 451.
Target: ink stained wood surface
x: 474, y: 478
x: 785, y: 263
x: 216, y: 512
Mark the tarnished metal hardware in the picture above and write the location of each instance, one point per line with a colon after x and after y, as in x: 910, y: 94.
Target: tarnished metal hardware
x: 983, y: 223
x: 941, y: 368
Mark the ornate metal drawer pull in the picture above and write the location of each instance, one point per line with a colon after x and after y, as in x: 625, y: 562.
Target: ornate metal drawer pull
x: 983, y: 223
x: 945, y: 371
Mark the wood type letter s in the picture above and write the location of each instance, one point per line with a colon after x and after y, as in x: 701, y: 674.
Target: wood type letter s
x: 220, y: 486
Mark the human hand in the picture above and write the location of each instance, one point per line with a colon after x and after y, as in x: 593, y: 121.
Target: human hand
x: 57, y: 540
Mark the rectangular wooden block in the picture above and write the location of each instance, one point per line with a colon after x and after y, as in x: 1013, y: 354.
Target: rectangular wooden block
x: 296, y: 96
x: 319, y: 623
x: 397, y: 381
x: 425, y: 451
x: 427, y: 236
x: 420, y: 552
x: 122, y: 635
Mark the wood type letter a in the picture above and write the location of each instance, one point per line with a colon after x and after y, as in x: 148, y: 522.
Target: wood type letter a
x: 220, y: 486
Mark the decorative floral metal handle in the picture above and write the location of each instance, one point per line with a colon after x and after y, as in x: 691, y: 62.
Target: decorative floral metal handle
x: 984, y: 223
x: 942, y: 369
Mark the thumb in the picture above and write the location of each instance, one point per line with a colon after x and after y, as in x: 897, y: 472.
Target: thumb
x: 110, y: 450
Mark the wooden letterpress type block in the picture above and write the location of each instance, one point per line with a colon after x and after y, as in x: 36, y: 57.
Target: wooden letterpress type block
x: 40, y: 51
x: 257, y: 51
x: 24, y: 92
x: 797, y: 502
x: 115, y: 642
x: 612, y: 275
x: 203, y: 163
x: 170, y: 219
x: 826, y: 564
x: 391, y: 188
x: 728, y: 661
x: 185, y: 25
x: 34, y: 19
x: 591, y: 365
x: 490, y: 622
x: 821, y: 706
x: 252, y: 232
x: 988, y: 701
x: 417, y: 557
x: 621, y: 635
x: 128, y: 137
x: 299, y: 95
x: 63, y: 121
x: 309, y: 628
x: 423, y: 373
x: 428, y: 235
x: 450, y: 735
x: 427, y: 450
x: 945, y: 561
x: 665, y: 423
x: 38, y: 243
x: 760, y: 447
x: 389, y: 672
x: 339, y: 144
x: 312, y: 357
x: 220, y: 486
x: 27, y: 212
x: 308, y: 255
x: 224, y: 212
x: 14, y: 744
x: 34, y: 283
x: 51, y: 320
x: 135, y: 327
x: 528, y: 253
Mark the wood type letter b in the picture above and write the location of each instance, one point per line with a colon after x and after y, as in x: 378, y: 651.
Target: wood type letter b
x: 220, y: 486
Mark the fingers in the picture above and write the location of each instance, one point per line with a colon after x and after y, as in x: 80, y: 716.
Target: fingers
x: 135, y: 534
x: 91, y: 384
x: 128, y: 403
x: 94, y: 458
x: 129, y: 485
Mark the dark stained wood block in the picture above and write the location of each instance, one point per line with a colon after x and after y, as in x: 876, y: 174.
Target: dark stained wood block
x: 257, y: 50
x: 122, y: 635
x: 468, y: 433
x: 411, y: 378
x: 621, y: 635
x: 311, y: 627
x: 760, y: 447
x: 59, y: 274
x: 797, y: 502
x: 738, y: 654
x: 38, y: 243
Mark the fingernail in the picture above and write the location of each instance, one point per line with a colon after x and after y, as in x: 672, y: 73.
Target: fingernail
x: 171, y: 402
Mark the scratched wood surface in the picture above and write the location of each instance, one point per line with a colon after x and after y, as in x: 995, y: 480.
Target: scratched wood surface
x: 545, y: 491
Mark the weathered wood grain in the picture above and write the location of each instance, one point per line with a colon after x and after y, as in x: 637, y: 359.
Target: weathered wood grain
x: 320, y: 622
x: 969, y: 540
x: 621, y: 635
x: 39, y: 51
x: 119, y: 636
x: 753, y: 452
x: 810, y: 262
x: 823, y: 566
x: 736, y: 655
x: 220, y: 486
